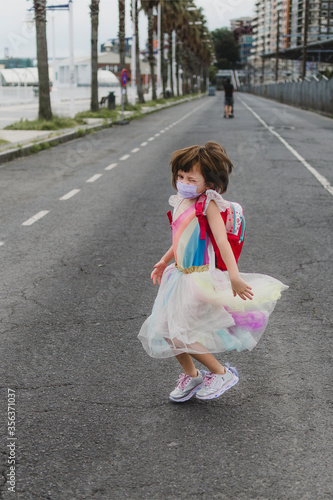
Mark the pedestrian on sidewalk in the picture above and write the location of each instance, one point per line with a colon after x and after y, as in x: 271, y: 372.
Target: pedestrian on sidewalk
x: 201, y: 310
x: 228, y: 98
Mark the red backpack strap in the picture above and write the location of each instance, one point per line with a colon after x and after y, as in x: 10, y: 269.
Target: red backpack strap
x: 199, y: 208
x: 169, y: 214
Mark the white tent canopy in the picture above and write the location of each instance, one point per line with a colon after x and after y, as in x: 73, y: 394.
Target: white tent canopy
x: 29, y: 77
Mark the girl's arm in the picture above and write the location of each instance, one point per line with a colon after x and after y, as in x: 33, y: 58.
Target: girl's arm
x: 161, y: 265
x: 217, y: 226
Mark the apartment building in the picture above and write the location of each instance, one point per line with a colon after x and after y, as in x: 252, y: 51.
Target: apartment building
x: 291, y: 16
x: 320, y: 21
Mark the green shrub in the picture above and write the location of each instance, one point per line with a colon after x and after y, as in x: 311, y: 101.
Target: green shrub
x: 57, y: 123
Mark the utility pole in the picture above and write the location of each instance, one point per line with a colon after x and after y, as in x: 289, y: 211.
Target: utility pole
x: 305, y: 38
x: 277, y: 47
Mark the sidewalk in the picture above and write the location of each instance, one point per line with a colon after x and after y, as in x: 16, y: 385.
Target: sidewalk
x: 25, y: 142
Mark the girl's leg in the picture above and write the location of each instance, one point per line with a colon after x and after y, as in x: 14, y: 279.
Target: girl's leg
x: 210, y: 362
x: 187, y: 364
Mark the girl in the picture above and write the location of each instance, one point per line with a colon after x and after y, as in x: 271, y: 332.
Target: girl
x: 200, y: 310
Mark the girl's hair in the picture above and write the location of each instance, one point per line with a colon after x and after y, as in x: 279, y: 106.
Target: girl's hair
x: 212, y: 161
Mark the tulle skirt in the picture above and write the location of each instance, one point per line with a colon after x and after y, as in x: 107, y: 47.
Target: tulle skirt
x: 197, y: 313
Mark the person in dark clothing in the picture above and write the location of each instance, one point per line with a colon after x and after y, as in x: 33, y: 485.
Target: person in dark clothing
x: 228, y: 91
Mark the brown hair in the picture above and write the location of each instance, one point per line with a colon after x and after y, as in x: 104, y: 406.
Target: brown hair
x: 212, y: 161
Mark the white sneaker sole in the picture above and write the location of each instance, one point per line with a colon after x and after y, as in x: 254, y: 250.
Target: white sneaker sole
x: 230, y: 384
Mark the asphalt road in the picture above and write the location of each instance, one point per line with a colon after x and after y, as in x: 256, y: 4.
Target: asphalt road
x: 93, y: 419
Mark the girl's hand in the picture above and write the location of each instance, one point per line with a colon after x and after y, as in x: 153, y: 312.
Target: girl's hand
x: 239, y: 287
x: 158, y: 271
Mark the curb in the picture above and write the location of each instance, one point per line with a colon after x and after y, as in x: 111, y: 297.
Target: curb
x: 80, y: 131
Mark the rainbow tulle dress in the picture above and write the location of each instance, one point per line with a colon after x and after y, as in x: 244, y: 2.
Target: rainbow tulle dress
x: 195, y: 310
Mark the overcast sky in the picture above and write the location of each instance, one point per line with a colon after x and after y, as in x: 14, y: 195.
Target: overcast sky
x: 19, y: 37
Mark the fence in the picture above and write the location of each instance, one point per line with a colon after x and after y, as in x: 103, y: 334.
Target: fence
x: 315, y: 95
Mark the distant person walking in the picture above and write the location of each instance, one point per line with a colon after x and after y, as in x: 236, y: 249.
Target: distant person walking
x: 228, y: 98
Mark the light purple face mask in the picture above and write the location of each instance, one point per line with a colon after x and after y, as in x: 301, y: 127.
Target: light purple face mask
x: 187, y: 190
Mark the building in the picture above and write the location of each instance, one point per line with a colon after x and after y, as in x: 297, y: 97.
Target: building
x: 239, y: 22
x: 242, y: 30
x: 292, y: 19
x: 107, y: 60
x: 245, y: 47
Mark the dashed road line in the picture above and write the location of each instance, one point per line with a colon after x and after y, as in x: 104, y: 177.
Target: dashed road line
x: 94, y: 178
x: 70, y: 194
x: 35, y: 218
x: 2, y: 243
x: 320, y: 178
x: 110, y: 167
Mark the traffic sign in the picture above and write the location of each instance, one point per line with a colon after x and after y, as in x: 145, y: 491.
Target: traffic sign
x: 124, y: 77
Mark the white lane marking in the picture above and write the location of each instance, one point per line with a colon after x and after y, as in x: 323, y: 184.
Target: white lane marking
x: 157, y: 135
x: 123, y: 158
x: 320, y: 178
x: 135, y: 150
x: 35, y: 218
x: 2, y: 243
x: 70, y: 194
x: 162, y: 131
x: 94, y: 178
x: 110, y: 167
x: 144, y: 144
x: 151, y: 139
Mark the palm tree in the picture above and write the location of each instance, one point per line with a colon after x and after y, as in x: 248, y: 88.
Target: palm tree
x: 121, y: 8
x: 44, y: 112
x: 137, y: 55
x: 173, y: 15
x: 196, y: 53
x: 148, y: 6
x: 94, y: 11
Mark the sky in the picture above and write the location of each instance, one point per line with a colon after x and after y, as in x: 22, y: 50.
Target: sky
x: 19, y: 36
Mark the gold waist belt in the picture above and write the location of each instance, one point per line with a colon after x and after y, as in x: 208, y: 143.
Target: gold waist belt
x: 193, y: 269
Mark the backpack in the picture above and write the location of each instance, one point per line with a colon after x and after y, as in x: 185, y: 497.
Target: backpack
x: 234, y: 221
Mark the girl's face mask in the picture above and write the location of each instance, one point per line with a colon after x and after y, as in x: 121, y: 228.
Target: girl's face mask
x: 188, y: 191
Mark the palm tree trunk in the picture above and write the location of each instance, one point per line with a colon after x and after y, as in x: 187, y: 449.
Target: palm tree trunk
x: 177, y: 67
x: 171, y: 63
x: 94, y: 11
x: 164, y: 69
x: 44, y: 112
x: 121, y: 6
x: 137, y: 57
x: 151, y: 57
